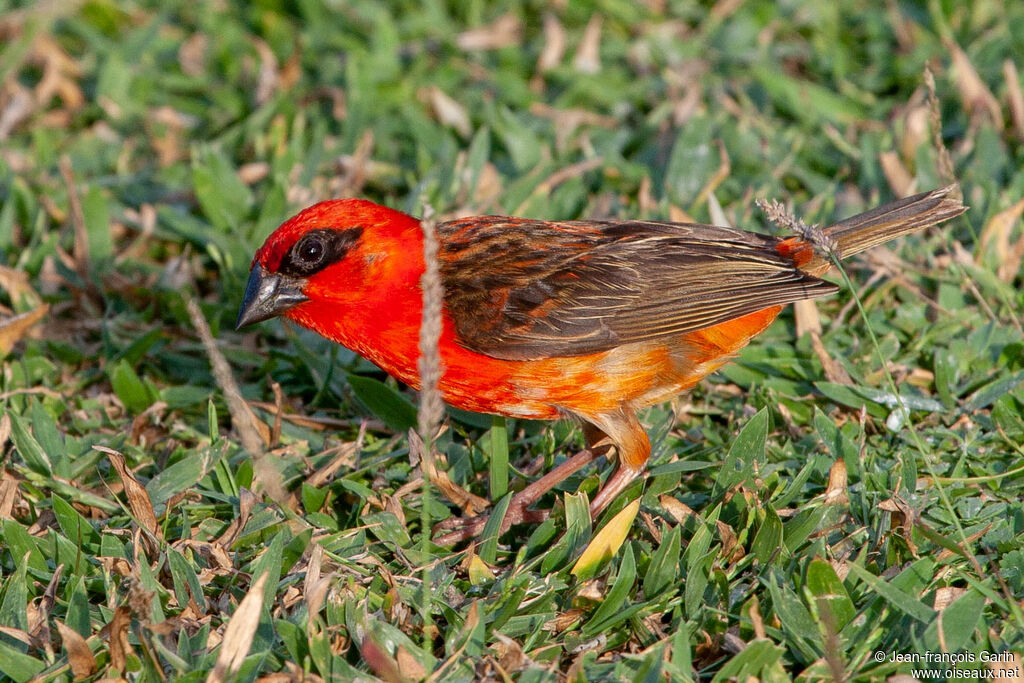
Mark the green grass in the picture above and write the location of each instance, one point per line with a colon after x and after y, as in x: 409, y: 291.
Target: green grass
x: 147, y: 149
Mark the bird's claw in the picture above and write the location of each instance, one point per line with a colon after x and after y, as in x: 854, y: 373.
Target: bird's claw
x: 459, y: 529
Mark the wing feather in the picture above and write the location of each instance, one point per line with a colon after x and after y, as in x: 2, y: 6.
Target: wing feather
x: 521, y: 290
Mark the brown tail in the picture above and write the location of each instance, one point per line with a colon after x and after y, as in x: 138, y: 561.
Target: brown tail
x: 887, y: 222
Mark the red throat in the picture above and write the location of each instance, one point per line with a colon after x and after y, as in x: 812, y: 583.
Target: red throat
x: 368, y: 302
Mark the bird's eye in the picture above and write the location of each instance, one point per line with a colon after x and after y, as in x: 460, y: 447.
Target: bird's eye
x: 311, y: 251
x: 317, y: 250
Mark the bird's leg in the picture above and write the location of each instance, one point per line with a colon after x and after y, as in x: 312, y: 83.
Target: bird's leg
x: 459, y: 530
x: 616, y: 484
x: 634, y: 448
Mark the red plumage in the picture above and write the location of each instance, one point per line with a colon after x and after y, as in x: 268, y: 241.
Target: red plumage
x: 595, y: 319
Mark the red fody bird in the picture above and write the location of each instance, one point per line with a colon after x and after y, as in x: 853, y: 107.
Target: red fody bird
x: 545, y: 319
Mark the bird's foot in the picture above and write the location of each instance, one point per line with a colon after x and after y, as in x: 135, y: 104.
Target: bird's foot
x: 463, y: 529
x: 459, y: 529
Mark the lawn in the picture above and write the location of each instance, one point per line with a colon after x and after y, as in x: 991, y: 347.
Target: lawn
x: 181, y: 501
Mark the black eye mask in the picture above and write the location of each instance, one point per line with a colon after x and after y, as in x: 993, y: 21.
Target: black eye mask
x: 318, y: 249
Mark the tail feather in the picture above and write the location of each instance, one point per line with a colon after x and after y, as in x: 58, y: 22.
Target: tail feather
x: 895, y: 219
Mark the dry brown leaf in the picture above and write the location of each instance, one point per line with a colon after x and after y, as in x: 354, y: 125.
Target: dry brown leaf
x: 239, y: 633
x: 38, y: 613
x: 378, y: 659
x: 900, y: 181
x: 807, y: 319
x: 5, y: 432
x: 961, y: 256
x: 978, y: 100
x: 645, y: 197
x: 80, y: 657
x: 60, y: 74
x: 15, y: 283
x: 291, y: 72
x: 568, y: 121
x: 841, y: 568
x: 921, y: 378
x: 592, y: 591
x: 997, y: 233
x: 16, y: 106
x: 49, y: 597
x: 18, y: 634
x: 723, y: 9
x: 8, y: 489
x: 246, y: 500
x: 511, y: 657
x: 138, y: 497
x: 345, y: 455
x: 448, y: 111
x: 292, y: 674
x: 506, y: 31
x: 554, y: 44
x: 731, y: 550
x: 319, y: 423
x: 117, y: 630
x: 1015, y: 97
x: 409, y: 666
x: 915, y: 132
x: 686, y: 91
x: 267, y: 81
x: 588, y: 54
x: 146, y: 426
x: 679, y: 511
x: 394, y: 506
x: 215, y: 555
x: 470, y: 503
x: 315, y: 588
x: 219, y: 557
x: 488, y: 186
x: 596, y: 643
x: 13, y: 329
x: 166, y: 135
x: 756, y: 620
x: 652, y: 528
x: 116, y: 565
x: 564, y: 620
x: 947, y: 595
x: 835, y: 492
x: 316, y: 557
x: 679, y: 215
x: 192, y: 55
x: 902, y: 516
x: 81, y: 245
x: 1012, y: 669
x: 834, y: 372
x: 253, y: 172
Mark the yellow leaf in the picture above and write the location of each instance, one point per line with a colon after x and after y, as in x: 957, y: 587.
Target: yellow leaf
x: 607, y: 541
x: 479, y: 572
x: 14, y: 328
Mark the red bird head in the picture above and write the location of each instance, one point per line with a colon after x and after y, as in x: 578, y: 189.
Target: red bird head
x: 327, y: 262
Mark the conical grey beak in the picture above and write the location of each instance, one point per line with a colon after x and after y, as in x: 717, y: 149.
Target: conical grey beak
x: 268, y: 295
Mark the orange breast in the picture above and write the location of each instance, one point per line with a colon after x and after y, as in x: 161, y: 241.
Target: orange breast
x: 637, y: 375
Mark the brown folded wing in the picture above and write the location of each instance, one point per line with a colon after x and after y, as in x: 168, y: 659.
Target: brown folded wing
x: 521, y: 290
